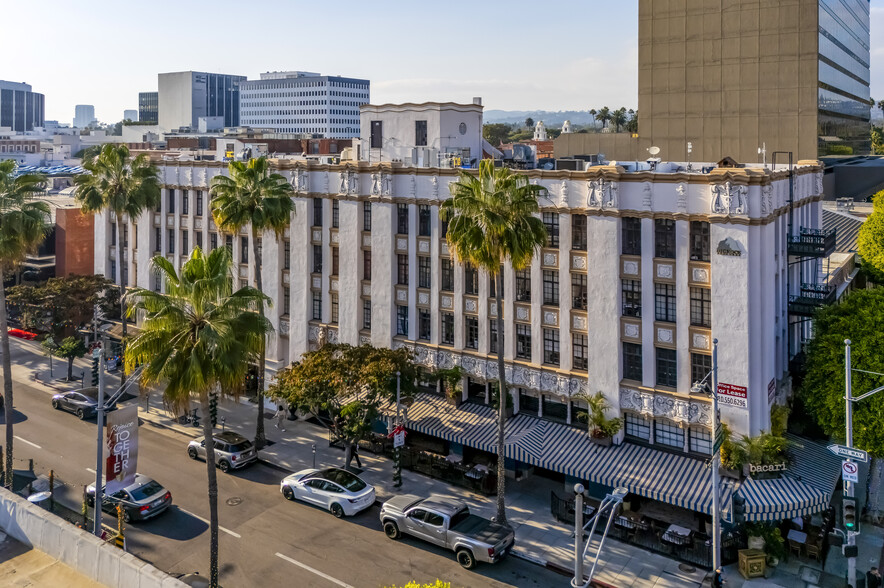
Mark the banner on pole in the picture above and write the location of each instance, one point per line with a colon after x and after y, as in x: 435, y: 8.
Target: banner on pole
x: 122, y: 448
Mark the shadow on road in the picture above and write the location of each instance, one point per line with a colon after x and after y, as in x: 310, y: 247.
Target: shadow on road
x: 17, y: 417
x: 173, y: 524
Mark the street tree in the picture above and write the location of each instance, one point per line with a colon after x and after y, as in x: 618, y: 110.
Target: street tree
x: 871, y: 240
x: 253, y: 197
x: 603, y: 116
x: 123, y: 186
x: 619, y: 118
x: 491, y: 221
x: 857, y: 317
x: 70, y: 349
x: 197, y: 338
x: 496, y: 133
x: 23, y: 226
x: 632, y: 125
x: 62, y: 305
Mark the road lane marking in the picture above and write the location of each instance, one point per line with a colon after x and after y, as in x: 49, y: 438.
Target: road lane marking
x: 206, y: 521
x: 28, y: 442
x: 314, y: 570
x: 91, y: 471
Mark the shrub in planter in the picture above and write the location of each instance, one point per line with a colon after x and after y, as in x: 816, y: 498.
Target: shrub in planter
x: 601, y: 429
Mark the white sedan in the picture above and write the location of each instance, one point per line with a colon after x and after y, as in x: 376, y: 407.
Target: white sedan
x: 334, y: 489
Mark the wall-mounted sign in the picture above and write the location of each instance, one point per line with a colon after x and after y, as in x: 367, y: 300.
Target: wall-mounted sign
x: 731, y: 395
x: 729, y: 246
x: 766, y: 468
x: 850, y: 471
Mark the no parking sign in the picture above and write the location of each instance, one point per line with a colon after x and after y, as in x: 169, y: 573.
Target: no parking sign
x: 850, y: 471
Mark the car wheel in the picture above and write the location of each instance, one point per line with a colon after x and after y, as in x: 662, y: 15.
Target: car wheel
x: 191, y: 453
x: 224, y: 466
x: 81, y: 414
x: 288, y: 493
x: 127, y: 518
x: 55, y: 404
x: 391, y: 530
x: 90, y: 500
x: 337, y: 510
x: 465, y: 559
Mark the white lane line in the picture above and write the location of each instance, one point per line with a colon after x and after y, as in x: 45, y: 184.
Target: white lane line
x: 28, y: 442
x: 314, y: 570
x: 91, y: 471
x: 206, y: 521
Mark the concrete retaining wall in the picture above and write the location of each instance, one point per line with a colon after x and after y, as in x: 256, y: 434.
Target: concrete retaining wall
x: 74, y: 547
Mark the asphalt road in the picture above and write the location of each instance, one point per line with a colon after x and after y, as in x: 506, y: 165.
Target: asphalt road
x: 265, y: 540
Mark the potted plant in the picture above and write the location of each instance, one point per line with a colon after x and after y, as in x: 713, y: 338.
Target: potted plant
x: 451, y: 380
x: 755, y: 533
x: 601, y: 429
x: 733, y: 455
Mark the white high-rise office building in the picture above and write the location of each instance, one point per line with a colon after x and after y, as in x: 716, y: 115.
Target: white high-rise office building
x: 84, y: 115
x: 304, y: 102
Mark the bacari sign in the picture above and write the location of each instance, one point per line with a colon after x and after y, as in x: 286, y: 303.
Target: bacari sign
x: 122, y: 448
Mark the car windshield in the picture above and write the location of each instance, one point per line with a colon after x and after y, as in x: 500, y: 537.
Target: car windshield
x: 91, y: 395
x: 344, y: 478
x: 459, y: 517
x: 241, y: 446
x: 146, y: 491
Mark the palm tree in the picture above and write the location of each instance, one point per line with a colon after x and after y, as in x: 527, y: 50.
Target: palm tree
x: 592, y: 113
x: 23, y: 226
x: 881, y: 106
x: 195, y: 339
x: 491, y: 220
x: 603, y: 116
x: 252, y: 196
x: 123, y: 186
x: 618, y: 119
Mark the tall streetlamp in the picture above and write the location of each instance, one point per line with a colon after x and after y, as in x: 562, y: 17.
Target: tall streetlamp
x: 608, y: 506
x: 698, y: 388
x: 397, y: 457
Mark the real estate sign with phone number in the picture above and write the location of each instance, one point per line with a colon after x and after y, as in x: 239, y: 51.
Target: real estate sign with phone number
x: 732, y: 395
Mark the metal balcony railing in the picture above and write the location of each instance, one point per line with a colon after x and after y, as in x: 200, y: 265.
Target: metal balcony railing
x: 811, y: 297
x: 812, y: 243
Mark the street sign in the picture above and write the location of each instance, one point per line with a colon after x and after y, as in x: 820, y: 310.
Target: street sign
x: 841, y: 451
x: 719, y: 439
x: 850, y: 471
x: 399, y: 439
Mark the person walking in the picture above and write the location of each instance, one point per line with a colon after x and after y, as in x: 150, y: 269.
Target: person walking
x: 717, y: 580
x: 354, y: 454
x: 280, y: 415
x: 873, y: 578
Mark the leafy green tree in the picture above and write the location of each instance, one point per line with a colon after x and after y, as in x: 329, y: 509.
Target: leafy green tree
x: 496, y: 133
x: 529, y: 123
x: 878, y: 140
x: 23, y: 226
x: 121, y: 185
x: 62, y: 305
x: 70, y: 349
x: 253, y: 197
x: 491, y: 221
x: 632, y: 125
x: 871, y: 240
x: 198, y: 338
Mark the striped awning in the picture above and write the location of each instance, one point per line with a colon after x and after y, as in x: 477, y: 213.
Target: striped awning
x: 671, y: 478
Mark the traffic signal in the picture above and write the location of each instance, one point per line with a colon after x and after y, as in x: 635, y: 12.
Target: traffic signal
x: 213, y: 408
x: 95, y: 364
x: 849, y: 515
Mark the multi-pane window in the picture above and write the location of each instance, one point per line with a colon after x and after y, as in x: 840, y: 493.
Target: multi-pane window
x: 402, y: 320
x: 170, y: 202
x: 551, y: 223
x: 402, y: 269
x: 185, y: 201
x: 668, y: 433
x: 578, y: 291
x: 366, y: 216
x: 550, y: 287
x: 228, y: 242
x: 366, y: 265
x: 158, y: 239
x: 423, y: 224
x: 632, y: 297
x: 700, y: 441
x: 424, y: 271
x: 170, y: 246
x: 701, y: 307
x: 637, y: 426
x: 444, y: 233
x: 664, y: 302
x: 336, y: 214
x: 471, y: 332
x: 701, y: 365
x: 286, y: 301
x: 470, y: 280
x: 317, y: 259
x: 492, y: 336
x: 423, y: 324
x: 420, y: 133
x: 259, y: 251
x: 492, y: 284
x: 523, y: 341
x: 317, y: 306
x: 336, y: 261
x: 579, y: 347
x: 632, y: 361
x: 126, y: 235
x: 402, y: 219
x: 113, y: 269
x: 366, y: 315
x: 113, y: 238
x: 334, y: 309
x: 551, y: 346
x: 199, y: 203
x: 377, y: 134
x: 185, y: 249
x: 198, y: 235
x: 213, y: 241
x: 157, y: 280
x: 667, y: 372
x: 447, y: 328
x: 578, y: 232
x: 699, y: 241
x: 631, y: 229
x: 317, y: 212
x: 447, y: 275
x: 286, y: 255
x: 664, y: 238
x: 523, y: 285
x: 244, y: 250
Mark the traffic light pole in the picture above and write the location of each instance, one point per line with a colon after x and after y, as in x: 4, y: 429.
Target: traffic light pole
x: 848, y: 486
x: 99, y: 457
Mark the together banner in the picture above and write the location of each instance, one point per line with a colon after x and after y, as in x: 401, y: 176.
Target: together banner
x: 122, y: 449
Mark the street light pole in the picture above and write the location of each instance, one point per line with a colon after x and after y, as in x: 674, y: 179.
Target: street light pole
x: 397, y: 457
x: 716, y: 462
x: 848, y: 486
x: 99, y: 453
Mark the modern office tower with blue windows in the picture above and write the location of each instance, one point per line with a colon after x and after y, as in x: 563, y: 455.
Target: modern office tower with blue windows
x: 20, y: 108
x: 185, y: 97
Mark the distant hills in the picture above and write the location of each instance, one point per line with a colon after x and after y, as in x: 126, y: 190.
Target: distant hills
x: 549, y: 118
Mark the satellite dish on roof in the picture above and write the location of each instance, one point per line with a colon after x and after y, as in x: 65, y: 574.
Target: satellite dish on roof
x: 653, y: 150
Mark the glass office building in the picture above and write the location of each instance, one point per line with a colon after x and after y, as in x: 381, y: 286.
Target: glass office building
x: 148, y: 107
x: 20, y: 108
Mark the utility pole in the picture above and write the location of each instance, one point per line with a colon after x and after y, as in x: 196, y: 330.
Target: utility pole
x: 848, y: 486
x: 99, y: 453
x: 397, y: 455
x: 716, y: 462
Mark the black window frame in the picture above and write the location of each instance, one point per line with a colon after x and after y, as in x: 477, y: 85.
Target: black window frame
x: 700, y: 241
x: 424, y: 216
x: 579, y: 236
x: 523, y: 341
x: 420, y: 133
x: 244, y: 250
x: 446, y: 325
x: 170, y: 201
x: 317, y: 259
x: 631, y: 235
x: 579, y: 352
x: 551, y: 224
x: 701, y: 365
x: 335, y: 261
x: 424, y: 271
x: 366, y: 265
x: 701, y: 306
x: 637, y: 426
x: 335, y: 309
x: 668, y: 434
x: 550, y: 287
x: 632, y: 361
x: 665, y: 307
x: 666, y: 361
x: 579, y: 291
x: 366, y: 216
x: 664, y: 238
x: 492, y: 336
x: 286, y: 301
x: 401, y: 219
x: 402, y: 269
x: 470, y: 280
x: 317, y: 305
x: 424, y: 324
x: 366, y: 315
x: 286, y: 254
x: 336, y: 215
x: 198, y: 211
x: 402, y: 320
x: 317, y: 212
x: 523, y: 285
x: 447, y: 275
x: 471, y: 332
x: 631, y: 297
x: 551, y: 347
x: 185, y: 201
x: 170, y: 242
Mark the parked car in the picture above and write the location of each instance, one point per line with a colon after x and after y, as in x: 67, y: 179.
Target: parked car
x: 334, y: 489
x: 83, y: 403
x: 144, y: 499
x: 447, y: 523
x: 232, y: 450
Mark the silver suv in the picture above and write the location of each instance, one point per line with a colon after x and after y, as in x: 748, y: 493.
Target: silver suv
x: 232, y: 450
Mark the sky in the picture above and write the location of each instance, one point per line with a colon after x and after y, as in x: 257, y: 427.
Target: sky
x: 516, y: 55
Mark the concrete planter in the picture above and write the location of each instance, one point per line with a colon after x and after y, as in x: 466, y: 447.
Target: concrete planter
x: 603, y: 441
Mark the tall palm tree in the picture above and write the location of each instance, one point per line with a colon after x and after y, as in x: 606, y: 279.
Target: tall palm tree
x: 23, y: 226
x: 195, y: 339
x: 603, y: 116
x: 124, y: 186
x: 252, y: 196
x: 619, y: 119
x: 592, y: 113
x: 881, y: 106
x: 491, y: 220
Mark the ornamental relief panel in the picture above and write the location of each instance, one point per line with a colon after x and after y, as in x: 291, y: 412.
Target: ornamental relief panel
x: 578, y: 262
x: 655, y: 404
x: 578, y: 322
x: 700, y: 341
x: 470, y: 305
x: 366, y: 289
x: 447, y: 302
x: 284, y: 327
x: 401, y: 244
x: 631, y: 267
x: 184, y: 222
x: 551, y: 318
x: 423, y: 298
x: 423, y: 246
x: 317, y: 235
x: 631, y: 331
x: 366, y: 240
x: 700, y: 275
x: 550, y: 260
x: 665, y: 271
x: 401, y: 295
x: 333, y: 285
x: 665, y: 336
x: 198, y: 223
x: 523, y: 313
x: 317, y: 283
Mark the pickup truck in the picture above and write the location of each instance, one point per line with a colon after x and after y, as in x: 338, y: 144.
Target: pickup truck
x: 448, y: 524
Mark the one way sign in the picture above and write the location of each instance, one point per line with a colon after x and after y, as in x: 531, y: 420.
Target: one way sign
x: 842, y: 451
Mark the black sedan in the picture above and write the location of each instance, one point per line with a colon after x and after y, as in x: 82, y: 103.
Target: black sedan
x: 83, y: 403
